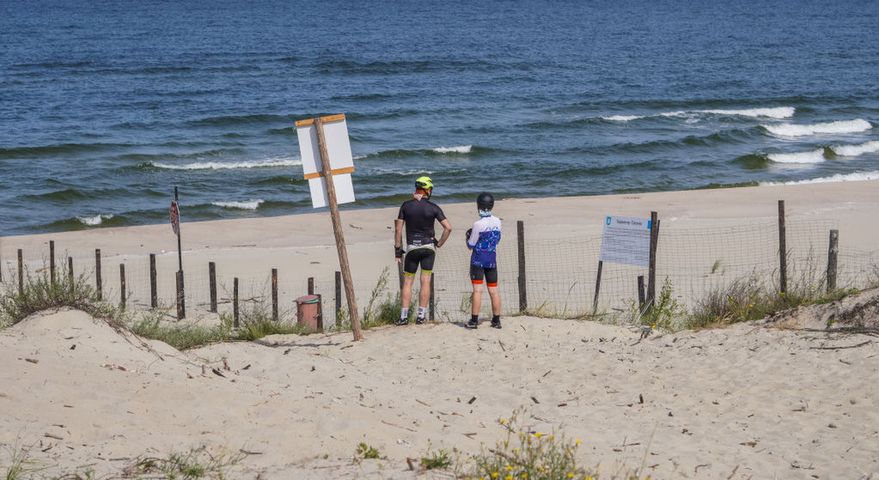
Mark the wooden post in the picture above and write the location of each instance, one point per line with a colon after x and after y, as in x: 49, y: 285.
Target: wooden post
x: 99, y: 285
x: 651, y: 267
x: 782, y: 249
x: 338, y: 298
x: 154, y: 286
x: 642, y: 295
x: 181, y: 307
x: 432, y: 304
x: 235, y: 302
x: 597, y: 287
x: 400, y: 274
x: 52, y: 261
x: 122, y: 291
x: 311, y: 285
x: 337, y: 230
x: 212, y: 278
x: 275, y: 294
x: 20, y: 271
x: 832, y: 255
x: 70, y: 270
x: 523, y: 293
x: 320, y: 313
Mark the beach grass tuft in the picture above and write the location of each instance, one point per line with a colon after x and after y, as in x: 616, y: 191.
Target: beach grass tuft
x: 40, y: 293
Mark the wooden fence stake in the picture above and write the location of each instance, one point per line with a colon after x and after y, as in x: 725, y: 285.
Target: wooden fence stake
x: 523, y: 294
x: 99, y: 285
x: 275, y: 294
x: 212, y: 278
x: 154, y: 284
x: 52, y: 262
x: 20, y: 271
x: 651, y: 268
x: 782, y: 248
x: 338, y: 298
x: 432, y: 311
x: 70, y: 270
x: 311, y: 285
x: 400, y: 274
x: 122, y: 291
x: 235, y: 302
x: 642, y: 296
x: 597, y: 287
x: 181, y: 307
x: 832, y: 255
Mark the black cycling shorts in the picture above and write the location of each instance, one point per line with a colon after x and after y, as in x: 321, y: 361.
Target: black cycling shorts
x: 419, y: 256
x: 477, y: 273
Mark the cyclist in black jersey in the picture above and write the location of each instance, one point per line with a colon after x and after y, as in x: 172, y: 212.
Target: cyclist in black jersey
x: 418, y: 215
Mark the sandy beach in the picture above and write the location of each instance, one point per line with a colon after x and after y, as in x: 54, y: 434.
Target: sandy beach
x: 749, y: 401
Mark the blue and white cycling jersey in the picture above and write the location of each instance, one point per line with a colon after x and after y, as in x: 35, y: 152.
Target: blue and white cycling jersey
x: 484, y: 238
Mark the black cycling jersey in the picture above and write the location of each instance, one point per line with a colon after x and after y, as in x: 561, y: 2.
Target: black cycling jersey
x: 420, y: 216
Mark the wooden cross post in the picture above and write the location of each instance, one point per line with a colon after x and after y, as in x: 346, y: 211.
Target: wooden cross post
x: 337, y: 231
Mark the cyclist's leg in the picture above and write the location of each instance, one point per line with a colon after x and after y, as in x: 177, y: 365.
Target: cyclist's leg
x: 410, y: 266
x: 493, y: 292
x: 477, y: 274
x: 426, y: 262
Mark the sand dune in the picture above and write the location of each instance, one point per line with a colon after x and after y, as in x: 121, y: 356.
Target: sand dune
x: 742, y: 402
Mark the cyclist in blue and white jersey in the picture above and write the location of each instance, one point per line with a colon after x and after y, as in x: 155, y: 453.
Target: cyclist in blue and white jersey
x: 483, y: 240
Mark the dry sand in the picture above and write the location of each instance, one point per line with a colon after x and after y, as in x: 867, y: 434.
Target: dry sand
x: 743, y: 402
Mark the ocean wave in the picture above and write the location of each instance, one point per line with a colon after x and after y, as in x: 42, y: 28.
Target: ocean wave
x: 469, y: 150
x: 458, y: 149
x: 771, y: 112
x: 224, y: 165
x: 247, y: 205
x: 856, y: 150
x: 839, y: 177
x: 94, y: 221
x: 241, y: 119
x: 837, y: 127
x: 814, y: 156
x: 58, y: 149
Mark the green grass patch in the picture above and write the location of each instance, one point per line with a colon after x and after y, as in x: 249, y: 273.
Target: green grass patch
x: 40, y: 293
x: 367, y: 452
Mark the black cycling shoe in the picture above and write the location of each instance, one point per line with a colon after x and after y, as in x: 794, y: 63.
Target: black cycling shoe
x: 401, y: 321
x: 496, y: 323
x: 472, y: 324
x: 420, y: 320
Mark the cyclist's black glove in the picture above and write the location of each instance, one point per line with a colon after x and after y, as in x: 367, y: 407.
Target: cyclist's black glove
x: 398, y: 252
x: 467, y: 235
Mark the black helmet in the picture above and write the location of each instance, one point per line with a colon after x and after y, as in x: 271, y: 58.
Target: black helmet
x: 485, y: 201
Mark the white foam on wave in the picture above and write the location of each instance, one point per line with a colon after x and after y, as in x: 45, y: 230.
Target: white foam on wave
x: 457, y: 149
x: 272, y: 163
x: 840, y: 126
x: 94, y: 221
x: 815, y: 156
x: 774, y: 112
x: 621, y: 118
x: 771, y: 112
x: 839, y: 177
x: 248, y: 205
x: 856, y: 150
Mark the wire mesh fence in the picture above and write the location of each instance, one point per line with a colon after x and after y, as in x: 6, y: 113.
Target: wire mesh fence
x: 560, y: 272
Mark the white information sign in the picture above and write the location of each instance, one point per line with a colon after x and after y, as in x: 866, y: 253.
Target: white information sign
x: 626, y: 240
x: 335, y: 130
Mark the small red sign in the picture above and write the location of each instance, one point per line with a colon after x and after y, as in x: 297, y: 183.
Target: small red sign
x: 175, y: 217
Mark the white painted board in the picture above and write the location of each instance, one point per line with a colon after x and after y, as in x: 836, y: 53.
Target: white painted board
x: 626, y: 240
x: 339, y: 151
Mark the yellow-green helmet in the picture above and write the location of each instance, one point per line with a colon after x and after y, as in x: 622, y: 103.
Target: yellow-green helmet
x: 424, y: 183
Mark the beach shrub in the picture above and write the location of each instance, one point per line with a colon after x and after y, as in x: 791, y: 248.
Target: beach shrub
x: 436, y: 460
x: 528, y: 454
x: 40, y: 293
x: 367, y: 452
x: 666, y: 313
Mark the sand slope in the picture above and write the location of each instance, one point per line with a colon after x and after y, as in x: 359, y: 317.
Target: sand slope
x: 742, y: 402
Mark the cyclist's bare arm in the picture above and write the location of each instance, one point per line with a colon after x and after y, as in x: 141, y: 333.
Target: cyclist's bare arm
x: 447, y: 230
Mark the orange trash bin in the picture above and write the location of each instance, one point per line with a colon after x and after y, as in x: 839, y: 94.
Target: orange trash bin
x: 308, y: 312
